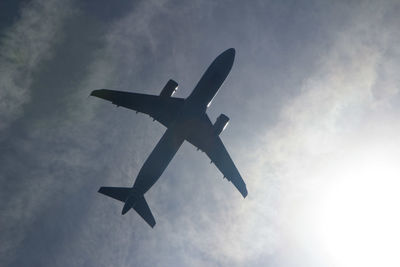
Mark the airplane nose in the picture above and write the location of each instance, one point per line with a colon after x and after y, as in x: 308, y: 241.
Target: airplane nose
x: 230, y: 52
x: 228, y: 56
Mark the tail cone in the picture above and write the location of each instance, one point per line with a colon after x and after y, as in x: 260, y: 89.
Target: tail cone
x: 129, y: 203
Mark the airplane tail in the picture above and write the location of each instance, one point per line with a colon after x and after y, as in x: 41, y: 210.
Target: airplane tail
x: 124, y: 194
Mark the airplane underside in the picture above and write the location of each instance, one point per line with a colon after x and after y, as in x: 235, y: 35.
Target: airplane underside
x: 185, y: 119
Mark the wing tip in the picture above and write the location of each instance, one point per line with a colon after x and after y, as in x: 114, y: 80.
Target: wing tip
x: 244, y: 192
x: 96, y: 92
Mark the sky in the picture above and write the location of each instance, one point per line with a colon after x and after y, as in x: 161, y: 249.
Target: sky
x: 313, y: 100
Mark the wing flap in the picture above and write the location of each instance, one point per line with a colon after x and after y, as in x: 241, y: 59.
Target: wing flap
x: 203, y: 137
x: 220, y: 157
x: 162, y: 109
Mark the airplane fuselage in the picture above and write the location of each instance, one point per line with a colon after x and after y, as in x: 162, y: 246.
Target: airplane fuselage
x: 195, y: 105
x: 211, y: 81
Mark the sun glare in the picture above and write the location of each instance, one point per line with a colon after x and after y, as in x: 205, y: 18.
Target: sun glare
x: 358, y: 215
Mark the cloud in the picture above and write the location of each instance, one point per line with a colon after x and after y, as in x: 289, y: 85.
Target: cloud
x: 347, y: 101
x: 336, y: 97
x: 23, y: 47
x: 66, y: 148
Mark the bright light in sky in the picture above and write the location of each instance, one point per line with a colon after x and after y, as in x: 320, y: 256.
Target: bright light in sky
x: 358, y: 220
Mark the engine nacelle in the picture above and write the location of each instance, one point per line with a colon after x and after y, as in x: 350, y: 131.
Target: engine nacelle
x: 169, y: 89
x: 221, y: 123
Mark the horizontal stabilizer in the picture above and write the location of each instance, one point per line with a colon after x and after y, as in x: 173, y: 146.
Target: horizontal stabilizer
x: 122, y: 193
x: 144, y: 211
x: 118, y: 193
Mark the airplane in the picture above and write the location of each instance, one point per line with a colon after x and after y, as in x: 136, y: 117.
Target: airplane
x: 185, y: 119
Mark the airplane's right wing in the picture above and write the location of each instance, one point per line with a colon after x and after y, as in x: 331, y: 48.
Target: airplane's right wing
x: 162, y: 109
x: 205, y: 139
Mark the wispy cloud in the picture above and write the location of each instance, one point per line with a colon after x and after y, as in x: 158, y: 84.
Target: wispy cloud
x: 201, y: 219
x: 23, y: 46
x: 221, y: 229
x: 340, y: 105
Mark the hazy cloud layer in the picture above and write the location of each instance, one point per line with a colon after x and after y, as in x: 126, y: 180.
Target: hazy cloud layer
x: 308, y: 80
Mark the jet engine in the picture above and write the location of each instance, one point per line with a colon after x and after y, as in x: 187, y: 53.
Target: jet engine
x: 221, y: 123
x: 169, y: 89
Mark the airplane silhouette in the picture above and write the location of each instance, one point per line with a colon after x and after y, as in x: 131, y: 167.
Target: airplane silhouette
x: 185, y: 119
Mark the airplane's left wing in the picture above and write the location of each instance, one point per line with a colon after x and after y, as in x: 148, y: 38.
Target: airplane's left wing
x: 206, y: 140
x: 162, y: 109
